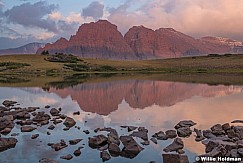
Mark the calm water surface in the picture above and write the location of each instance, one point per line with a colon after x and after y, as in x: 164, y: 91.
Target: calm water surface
x: 156, y: 105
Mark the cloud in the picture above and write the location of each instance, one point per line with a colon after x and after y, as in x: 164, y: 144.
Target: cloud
x: 94, y: 10
x: 45, y: 35
x: 32, y: 15
x: 55, y: 16
x: 197, y: 17
x: 74, y: 18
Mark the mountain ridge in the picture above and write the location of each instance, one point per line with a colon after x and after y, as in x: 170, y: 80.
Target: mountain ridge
x: 102, y: 40
x: 30, y: 48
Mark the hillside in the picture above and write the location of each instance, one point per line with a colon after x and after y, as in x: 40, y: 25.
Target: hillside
x: 26, y: 49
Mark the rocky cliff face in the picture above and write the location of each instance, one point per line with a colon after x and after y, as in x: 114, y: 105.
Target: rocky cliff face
x: 102, y: 40
x: 94, y: 40
x: 26, y: 49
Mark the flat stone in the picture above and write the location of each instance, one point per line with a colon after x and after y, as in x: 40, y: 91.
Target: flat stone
x: 41, y: 116
x: 67, y: 157
x: 69, y: 122
x: 199, y: 136
x: 34, y: 136
x: 47, y: 160
x: 86, y: 132
x: 217, y: 130
x: 184, y: 132
x: 27, y: 128
x: 154, y: 140
x: 75, y: 141
x: 160, y: 135
x: 76, y: 113
x: 98, y: 141
x: 171, y: 134
x: 208, y: 134
x: 226, y: 126
x: 237, y: 121
x: 54, y: 112
x: 7, y: 143
x: 114, y: 150
x: 175, y: 146
x: 51, y: 127
x: 8, y: 103
x: 77, y: 152
x: 6, y: 131
x: 185, y: 123
x: 175, y: 158
x: 131, y: 148
x: 105, y: 156
x: 58, y: 146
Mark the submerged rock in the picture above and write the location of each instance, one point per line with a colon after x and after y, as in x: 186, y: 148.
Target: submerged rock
x: 237, y: 121
x: 27, y: 128
x: 69, y: 122
x: 185, y: 123
x: 175, y: 146
x: 160, y: 135
x: 154, y: 140
x: 184, y: 132
x: 6, y: 122
x: 131, y: 148
x: 41, y: 116
x: 67, y: 157
x: 141, y: 133
x: 199, y: 136
x: 171, y: 134
x: 175, y: 158
x: 105, y: 156
x: 114, y: 149
x: 8, y: 103
x: 75, y: 141
x: 98, y: 141
x: 7, y: 143
x: 217, y: 130
x: 54, y: 112
x: 76, y: 113
x: 47, y: 160
x: 58, y: 146
x: 86, y: 132
x: 34, y: 136
x: 51, y: 127
x: 77, y: 152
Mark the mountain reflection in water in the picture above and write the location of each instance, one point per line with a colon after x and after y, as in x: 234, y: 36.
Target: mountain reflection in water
x: 104, y: 98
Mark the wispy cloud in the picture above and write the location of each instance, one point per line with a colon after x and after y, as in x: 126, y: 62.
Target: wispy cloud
x: 94, y: 10
x: 32, y: 15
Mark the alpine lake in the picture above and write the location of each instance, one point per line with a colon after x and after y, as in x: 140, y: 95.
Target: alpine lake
x: 135, y: 105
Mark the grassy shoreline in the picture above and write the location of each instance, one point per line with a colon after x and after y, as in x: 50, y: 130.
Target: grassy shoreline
x: 35, y: 70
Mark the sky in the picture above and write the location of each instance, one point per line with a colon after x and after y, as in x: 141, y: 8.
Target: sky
x: 25, y: 21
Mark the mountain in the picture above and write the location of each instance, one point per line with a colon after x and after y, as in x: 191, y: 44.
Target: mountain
x: 26, y: 49
x: 102, y: 40
x: 94, y: 40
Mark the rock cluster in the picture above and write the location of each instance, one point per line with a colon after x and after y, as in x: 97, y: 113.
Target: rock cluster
x: 222, y: 140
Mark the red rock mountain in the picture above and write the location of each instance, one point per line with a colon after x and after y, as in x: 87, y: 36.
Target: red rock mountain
x: 102, y: 40
x: 94, y: 40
